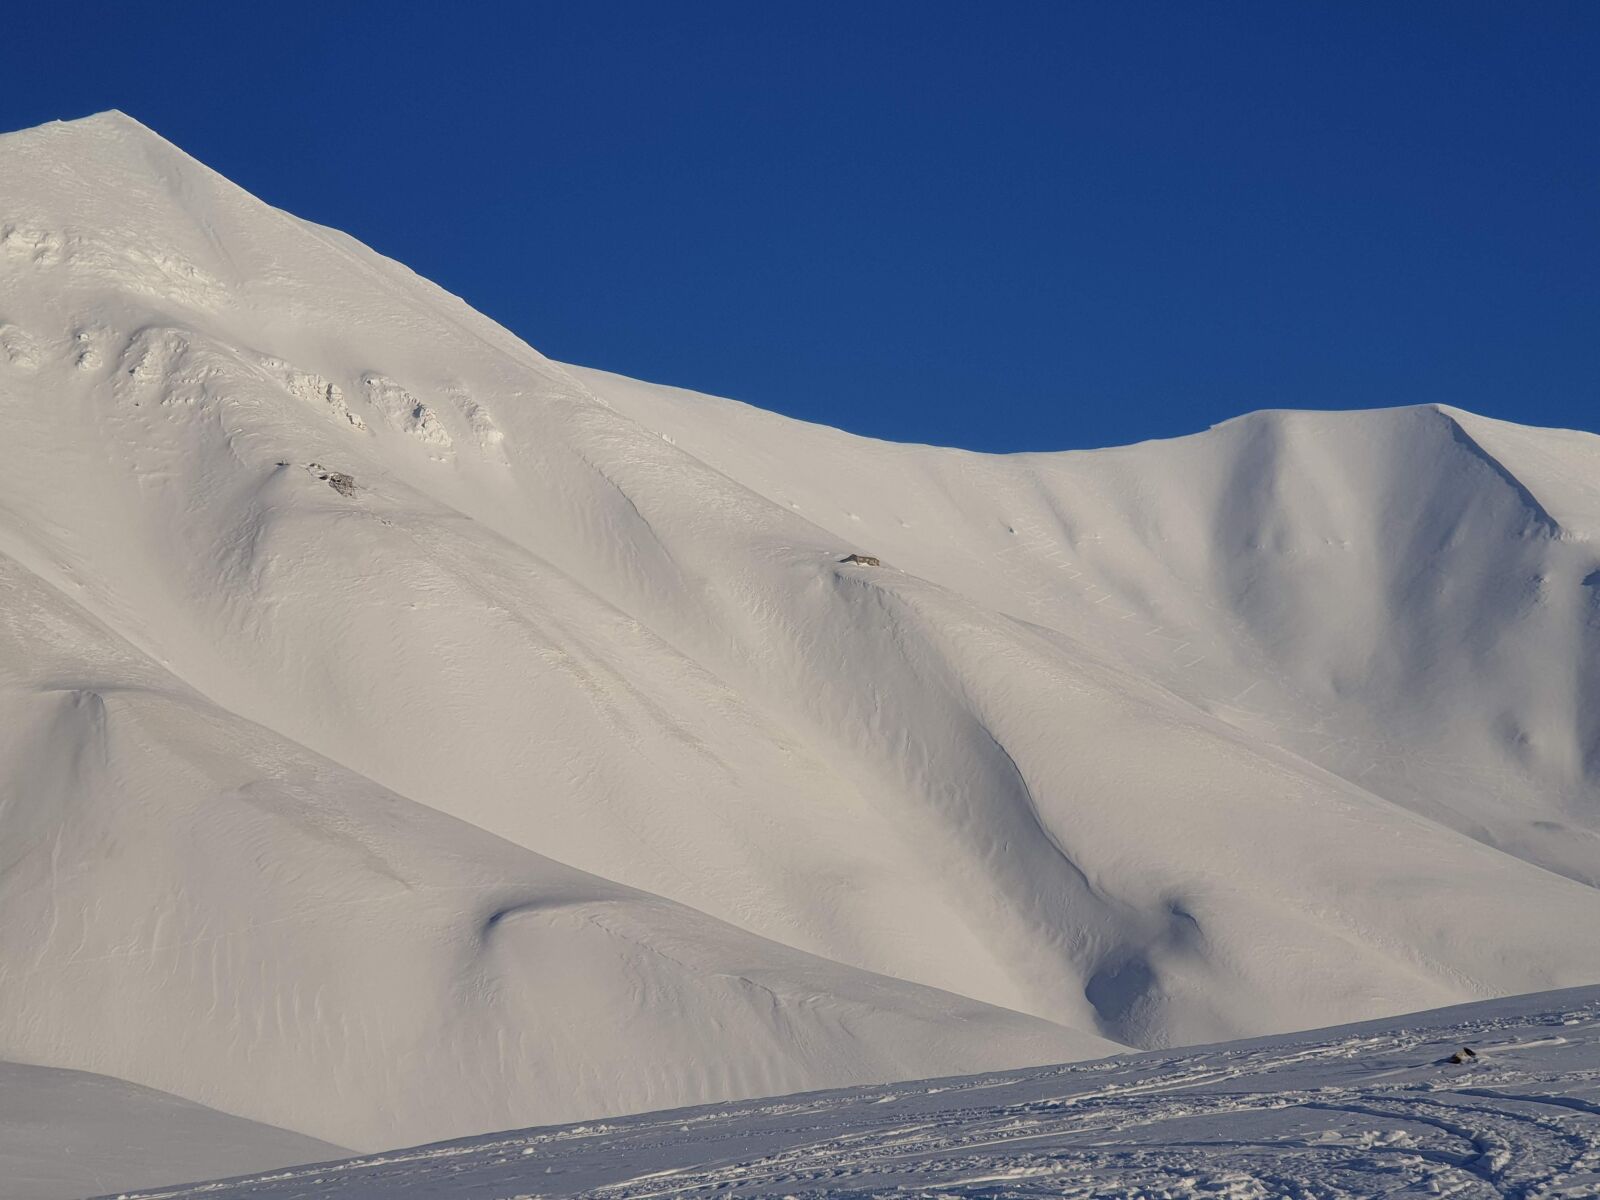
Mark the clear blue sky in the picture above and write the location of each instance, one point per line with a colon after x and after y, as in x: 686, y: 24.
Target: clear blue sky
x: 1003, y: 226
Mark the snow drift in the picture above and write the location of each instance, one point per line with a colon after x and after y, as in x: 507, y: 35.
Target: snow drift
x: 409, y: 735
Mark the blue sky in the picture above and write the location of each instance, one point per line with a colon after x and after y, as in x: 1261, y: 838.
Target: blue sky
x: 1002, y: 226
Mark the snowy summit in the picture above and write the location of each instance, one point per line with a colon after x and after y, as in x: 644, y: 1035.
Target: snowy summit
x: 407, y: 736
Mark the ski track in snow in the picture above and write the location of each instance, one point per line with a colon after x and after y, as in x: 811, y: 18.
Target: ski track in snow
x: 1360, y: 1111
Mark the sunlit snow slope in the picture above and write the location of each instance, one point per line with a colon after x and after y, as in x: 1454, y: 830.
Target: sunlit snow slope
x: 427, y: 737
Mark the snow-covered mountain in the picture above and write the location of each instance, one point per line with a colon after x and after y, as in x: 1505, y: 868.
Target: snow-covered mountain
x: 409, y: 736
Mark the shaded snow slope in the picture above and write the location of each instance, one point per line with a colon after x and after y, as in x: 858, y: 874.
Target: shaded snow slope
x: 386, y: 701
x: 1353, y: 1112
x: 67, y: 1134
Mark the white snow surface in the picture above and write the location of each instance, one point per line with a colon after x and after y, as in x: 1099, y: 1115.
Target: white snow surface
x: 1350, y: 1113
x: 407, y: 736
x: 66, y: 1134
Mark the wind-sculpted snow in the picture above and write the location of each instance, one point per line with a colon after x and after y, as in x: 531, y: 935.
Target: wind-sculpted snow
x: 418, y: 736
x: 1367, y: 1110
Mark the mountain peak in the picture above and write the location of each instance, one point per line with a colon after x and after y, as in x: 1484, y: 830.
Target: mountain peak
x: 108, y: 170
x: 113, y: 118
x: 68, y: 135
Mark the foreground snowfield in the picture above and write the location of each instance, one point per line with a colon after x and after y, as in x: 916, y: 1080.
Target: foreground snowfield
x: 1365, y: 1110
x: 404, y: 736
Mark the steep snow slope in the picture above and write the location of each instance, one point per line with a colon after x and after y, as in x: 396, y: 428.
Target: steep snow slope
x: 67, y: 1134
x: 193, y: 903
x: 1407, y: 598
x: 1128, y: 741
x: 1354, y: 1112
